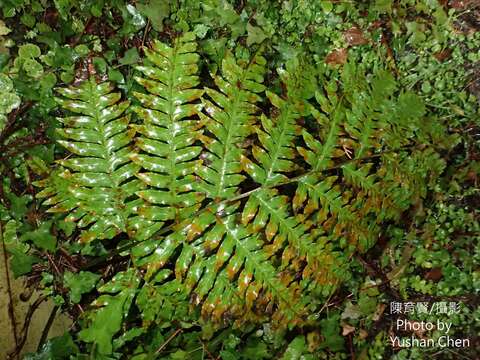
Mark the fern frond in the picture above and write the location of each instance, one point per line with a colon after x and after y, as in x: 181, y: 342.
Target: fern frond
x: 169, y: 132
x: 365, y: 126
x: 265, y: 210
x: 93, y: 184
x: 320, y: 197
x: 252, y: 252
x: 231, y: 116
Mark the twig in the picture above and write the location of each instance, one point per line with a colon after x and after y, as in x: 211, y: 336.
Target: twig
x: 47, y: 327
x: 145, y: 32
x: 26, y: 325
x: 57, y: 270
x: 168, y: 340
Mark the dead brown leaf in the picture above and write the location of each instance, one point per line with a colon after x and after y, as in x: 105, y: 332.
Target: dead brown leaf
x: 460, y: 4
x: 434, y: 274
x: 354, y: 36
x: 347, y: 329
x: 337, y: 57
x: 443, y: 55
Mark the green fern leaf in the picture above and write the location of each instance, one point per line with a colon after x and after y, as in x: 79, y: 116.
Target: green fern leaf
x: 231, y: 116
x: 274, y: 159
x: 283, y: 232
x: 92, y: 186
x: 169, y: 132
x: 222, y: 263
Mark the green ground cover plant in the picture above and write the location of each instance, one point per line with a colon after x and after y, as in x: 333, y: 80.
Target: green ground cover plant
x: 241, y: 179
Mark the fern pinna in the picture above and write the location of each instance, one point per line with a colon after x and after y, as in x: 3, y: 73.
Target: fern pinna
x: 242, y: 202
x: 169, y: 154
x: 96, y: 183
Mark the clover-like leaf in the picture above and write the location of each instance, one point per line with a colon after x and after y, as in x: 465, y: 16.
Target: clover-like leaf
x: 29, y: 51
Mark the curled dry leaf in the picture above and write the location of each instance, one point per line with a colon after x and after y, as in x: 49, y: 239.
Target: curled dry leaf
x: 347, y: 329
x: 354, y: 36
x: 337, y: 57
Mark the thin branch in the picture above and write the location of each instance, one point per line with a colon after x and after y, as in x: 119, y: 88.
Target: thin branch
x: 168, y: 340
x: 26, y: 325
x: 47, y: 328
x: 145, y: 33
